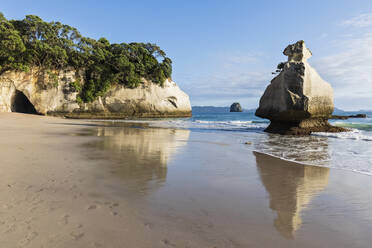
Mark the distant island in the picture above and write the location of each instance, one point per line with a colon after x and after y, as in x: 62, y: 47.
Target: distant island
x: 338, y: 111
x: 214, y: 109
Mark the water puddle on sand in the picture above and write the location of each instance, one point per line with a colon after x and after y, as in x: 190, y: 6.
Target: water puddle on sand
x: 195, y: 189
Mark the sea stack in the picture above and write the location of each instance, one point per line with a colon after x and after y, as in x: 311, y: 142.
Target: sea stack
x: 297, y: 101
x: 235, y: 107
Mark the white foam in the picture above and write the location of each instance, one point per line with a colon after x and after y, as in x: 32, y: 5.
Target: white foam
x: 200, y: 124
x: 237, y: 123
x: 325, y: 163
x: 354, y: 134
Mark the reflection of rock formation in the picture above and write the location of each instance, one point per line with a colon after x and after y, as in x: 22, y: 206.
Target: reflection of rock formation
x: 291, y: 187
x: 140, y: 155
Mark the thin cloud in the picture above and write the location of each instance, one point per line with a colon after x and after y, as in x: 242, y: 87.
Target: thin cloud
x: 244, y: 76
x: 230, y: 76
x: 223, y: 87
x: 360, y: 21
x: 240, y: 59
x: 349, y: 71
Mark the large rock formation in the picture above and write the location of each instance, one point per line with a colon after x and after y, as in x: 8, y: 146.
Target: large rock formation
x: 38, y: 91
x: 298, y: 100
x: 235, y: 107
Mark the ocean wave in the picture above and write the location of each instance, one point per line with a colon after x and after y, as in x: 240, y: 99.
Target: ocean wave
x: 228, y: 125
x: 340, y: 164
x: 310, y: 150
x: 322, y: 163
x: 320, y: 150
x: 223, y: 122
x: 354, y: 125
x: 354, y: 134
x: 213, y: 125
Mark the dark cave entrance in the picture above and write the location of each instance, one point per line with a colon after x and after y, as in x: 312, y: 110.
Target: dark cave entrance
x: 21, y: 104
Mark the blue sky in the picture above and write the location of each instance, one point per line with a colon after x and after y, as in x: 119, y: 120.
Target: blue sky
x: 225, y: 51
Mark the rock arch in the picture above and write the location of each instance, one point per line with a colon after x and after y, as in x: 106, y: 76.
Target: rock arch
x: 21, y: 104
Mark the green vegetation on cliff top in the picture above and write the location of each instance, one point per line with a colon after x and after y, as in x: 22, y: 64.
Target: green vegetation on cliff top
x: 54, y: 46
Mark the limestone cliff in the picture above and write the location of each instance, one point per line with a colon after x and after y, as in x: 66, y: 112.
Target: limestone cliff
x: 54, y: 94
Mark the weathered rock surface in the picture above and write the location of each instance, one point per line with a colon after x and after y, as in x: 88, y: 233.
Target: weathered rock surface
x: 57, y: 96
x: 297, y: 101
x: 235, y: 107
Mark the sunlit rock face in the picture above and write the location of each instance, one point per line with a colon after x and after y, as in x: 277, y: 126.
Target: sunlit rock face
x: 54, y: 95
x: 298, y: 100
x: 291, y: 187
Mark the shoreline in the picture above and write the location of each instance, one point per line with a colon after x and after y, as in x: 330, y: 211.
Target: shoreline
x: 306, y: 164
x: 146, y: 123
x: 134, y: 186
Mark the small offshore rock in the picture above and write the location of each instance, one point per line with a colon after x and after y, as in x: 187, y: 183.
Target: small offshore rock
x: 235, y: 107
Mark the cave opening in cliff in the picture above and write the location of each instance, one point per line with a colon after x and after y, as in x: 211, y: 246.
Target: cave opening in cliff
x: 21, y: 104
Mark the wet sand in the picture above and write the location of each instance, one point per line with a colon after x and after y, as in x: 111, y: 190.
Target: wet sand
x: 70, y: 183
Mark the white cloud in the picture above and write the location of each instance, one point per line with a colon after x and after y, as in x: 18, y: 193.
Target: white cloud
x: 360, y: 21
x: 349, y: 69
x: 229, y: 76
x: 243, y: 75
x: 239, y: 59
x: 222, y: 88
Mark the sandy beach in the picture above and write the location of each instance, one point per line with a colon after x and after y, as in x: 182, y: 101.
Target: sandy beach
x: 74, y: 183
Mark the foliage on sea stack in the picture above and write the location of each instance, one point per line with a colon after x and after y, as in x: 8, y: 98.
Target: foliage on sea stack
x: 32, y: 42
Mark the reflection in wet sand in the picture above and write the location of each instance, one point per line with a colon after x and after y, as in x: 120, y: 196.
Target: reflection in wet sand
x: 291, y: 187
x: 140, y: 155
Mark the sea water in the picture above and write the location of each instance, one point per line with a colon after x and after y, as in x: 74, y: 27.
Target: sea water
x: 349, y: 150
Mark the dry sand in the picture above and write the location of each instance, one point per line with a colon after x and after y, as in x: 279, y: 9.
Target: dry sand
x: 69, y: 183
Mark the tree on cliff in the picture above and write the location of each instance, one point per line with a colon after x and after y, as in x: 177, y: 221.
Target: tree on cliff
x: 53, y: 46
x: 11, y: 46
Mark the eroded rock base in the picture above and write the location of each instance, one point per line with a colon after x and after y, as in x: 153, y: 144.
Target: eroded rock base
x: 305, y: 127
